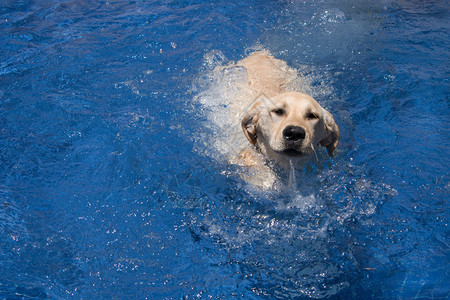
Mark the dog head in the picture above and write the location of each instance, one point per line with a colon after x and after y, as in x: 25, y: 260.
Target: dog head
x: 289, y: 126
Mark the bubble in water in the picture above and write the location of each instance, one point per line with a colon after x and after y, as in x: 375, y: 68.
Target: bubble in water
x: 332, y: 15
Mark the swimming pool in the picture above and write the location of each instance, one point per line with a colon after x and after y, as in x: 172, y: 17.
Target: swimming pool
x: 108, y: 188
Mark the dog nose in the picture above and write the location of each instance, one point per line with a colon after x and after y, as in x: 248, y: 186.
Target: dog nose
x: 294, y: 134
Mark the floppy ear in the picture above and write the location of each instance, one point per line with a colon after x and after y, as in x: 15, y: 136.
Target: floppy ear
x: 331, y: 139
x: 250, y: 123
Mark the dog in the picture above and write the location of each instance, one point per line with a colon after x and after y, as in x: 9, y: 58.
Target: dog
x: 281, y: 126
x: 287, y: 128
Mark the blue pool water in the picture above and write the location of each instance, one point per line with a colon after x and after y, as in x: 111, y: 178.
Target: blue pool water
x: 108, y: 188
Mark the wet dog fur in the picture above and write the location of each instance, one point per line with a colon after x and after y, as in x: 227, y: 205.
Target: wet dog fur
x: 281, y: 125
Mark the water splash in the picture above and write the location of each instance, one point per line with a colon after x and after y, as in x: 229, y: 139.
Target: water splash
x: 292, y: 178
x: 315, y: 153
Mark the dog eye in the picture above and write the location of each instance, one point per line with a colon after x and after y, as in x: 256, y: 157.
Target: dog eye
x: 312, y: 116
x: 278, y: 111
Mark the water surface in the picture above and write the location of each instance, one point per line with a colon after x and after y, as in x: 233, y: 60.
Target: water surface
x: 108, y: 188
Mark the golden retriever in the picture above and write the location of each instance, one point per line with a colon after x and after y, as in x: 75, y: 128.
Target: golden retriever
x: 282, y: 126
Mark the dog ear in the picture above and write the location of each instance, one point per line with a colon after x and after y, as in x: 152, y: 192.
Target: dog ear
x: 250, y: 123
x: 331, y: 139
